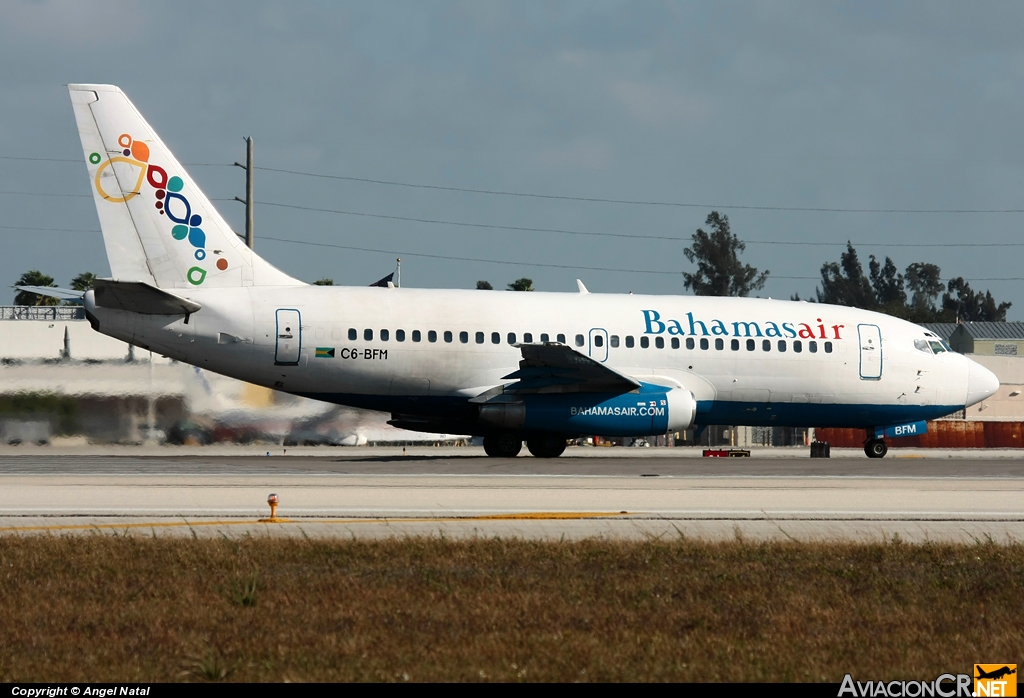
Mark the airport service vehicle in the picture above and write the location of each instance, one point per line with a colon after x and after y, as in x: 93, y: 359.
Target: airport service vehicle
x: 539, y: 367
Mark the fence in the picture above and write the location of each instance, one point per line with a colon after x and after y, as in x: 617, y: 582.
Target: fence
x: 941, y: 434
x: 42, y: 312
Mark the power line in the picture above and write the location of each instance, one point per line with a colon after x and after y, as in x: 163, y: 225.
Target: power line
x: 45, y: 193
x: 548, y: 265
x: 640, y: 202
x: 589, y: 199
x: 638, y: 236
x: 53, y: 230
x: 562, y: 231
x: 72, y: 160
x: 474, y: 259
x: 468, y: 259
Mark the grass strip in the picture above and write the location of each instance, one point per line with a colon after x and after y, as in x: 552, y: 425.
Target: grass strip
x: 131, y: 608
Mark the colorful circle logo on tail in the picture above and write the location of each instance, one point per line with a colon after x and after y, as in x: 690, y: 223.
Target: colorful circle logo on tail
x: 169, y: 199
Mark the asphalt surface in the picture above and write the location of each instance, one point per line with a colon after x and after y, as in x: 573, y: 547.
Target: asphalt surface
x: 967, y: 496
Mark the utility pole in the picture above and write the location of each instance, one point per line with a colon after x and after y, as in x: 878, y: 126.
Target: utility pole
x: 248, y: 200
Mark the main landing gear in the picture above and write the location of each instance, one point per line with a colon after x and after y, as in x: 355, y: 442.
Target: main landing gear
x: 546, y: 446
x: 503, y: 445
x: 507, y: 444
x: 875, y: 448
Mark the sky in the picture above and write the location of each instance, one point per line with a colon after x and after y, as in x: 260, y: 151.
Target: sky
x: 740, y: 107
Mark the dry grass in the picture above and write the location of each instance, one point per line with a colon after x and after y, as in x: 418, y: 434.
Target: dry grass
x: 110, y: 608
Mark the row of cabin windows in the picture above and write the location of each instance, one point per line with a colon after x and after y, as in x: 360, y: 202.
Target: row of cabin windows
x: 645, y: 342
x: 449, y: 337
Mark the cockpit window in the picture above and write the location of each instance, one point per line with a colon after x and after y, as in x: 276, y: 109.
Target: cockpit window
x: 937, y: 347
x: 922, y: 345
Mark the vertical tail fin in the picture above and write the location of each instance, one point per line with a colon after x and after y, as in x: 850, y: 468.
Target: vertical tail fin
x: 158, y: 227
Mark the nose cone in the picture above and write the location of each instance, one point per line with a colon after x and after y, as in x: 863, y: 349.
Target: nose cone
x: 981, y: 383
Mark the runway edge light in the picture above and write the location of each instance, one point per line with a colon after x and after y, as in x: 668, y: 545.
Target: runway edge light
x: 272, y: 501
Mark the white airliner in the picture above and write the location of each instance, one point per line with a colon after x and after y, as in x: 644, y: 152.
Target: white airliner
x: 539, y: 367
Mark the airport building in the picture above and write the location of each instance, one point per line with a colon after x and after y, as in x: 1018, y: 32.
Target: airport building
x: 61, y: 381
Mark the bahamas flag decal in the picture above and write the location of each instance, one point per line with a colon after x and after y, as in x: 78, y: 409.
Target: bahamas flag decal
x: 325, y: 352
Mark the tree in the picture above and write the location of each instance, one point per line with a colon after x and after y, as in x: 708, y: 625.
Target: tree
x: 484, y: 286
x: 888, y: 285
x: 523, y: 284
x: 925, y: 284
x: 84, y: 281
x: 34, y: 278
x: 324, y: 282
x: 969, y: 306
x: 719, y: 270
x: 845, y: 283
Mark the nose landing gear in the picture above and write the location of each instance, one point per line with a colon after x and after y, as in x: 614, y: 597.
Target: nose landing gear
x: 875, y: 448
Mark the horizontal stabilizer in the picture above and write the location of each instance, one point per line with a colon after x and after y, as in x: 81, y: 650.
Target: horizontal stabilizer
x: 64, y: 294
x: 139, y: 297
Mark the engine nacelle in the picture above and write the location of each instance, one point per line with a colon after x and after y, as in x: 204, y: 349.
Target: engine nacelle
x: 645, y: 413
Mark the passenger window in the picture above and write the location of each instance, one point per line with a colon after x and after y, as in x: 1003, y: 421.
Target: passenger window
x: 645, y: 342
x: 614, y: 340
x: 735, y: 345
x: 629, y: 341
x: 812, y: 347
x: 560, y: 339
x: 399, y: 335
x: 828, y: 347
x: 719, y: 344
x: 352, y: 333
x: 689, y: 343
x: 545, y: 338
x: 675, y: 342
x: 479, y: 337
x: 432, y: 336
x: 448, y: 336
x: 527, y: 337
x: 782, y: 345
x: 496, y: 338
x: 385, y: 335
x: 416, y: 335
x: 659, y: 342
x: 368, y: 335
x: 766, y: 345
x: 751, y: 345
x: 579, y: 340
x: 598, y: 340
x: 798, y: 346
x: 511, y: 337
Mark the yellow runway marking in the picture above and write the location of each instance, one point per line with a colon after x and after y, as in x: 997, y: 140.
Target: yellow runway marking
x: 525, y: 516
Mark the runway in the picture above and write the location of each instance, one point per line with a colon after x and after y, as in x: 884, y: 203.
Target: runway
x: 368, y: 493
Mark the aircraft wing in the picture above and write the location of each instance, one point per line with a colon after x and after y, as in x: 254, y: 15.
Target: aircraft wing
x: 556, y: 368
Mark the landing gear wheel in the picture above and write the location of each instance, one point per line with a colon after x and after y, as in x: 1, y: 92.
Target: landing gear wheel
x: 548, y: 446
x: 503, y: 445
x: 876, y: 448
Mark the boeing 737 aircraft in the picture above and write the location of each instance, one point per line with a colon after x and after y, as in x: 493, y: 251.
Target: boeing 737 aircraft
x: 539, y: 367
